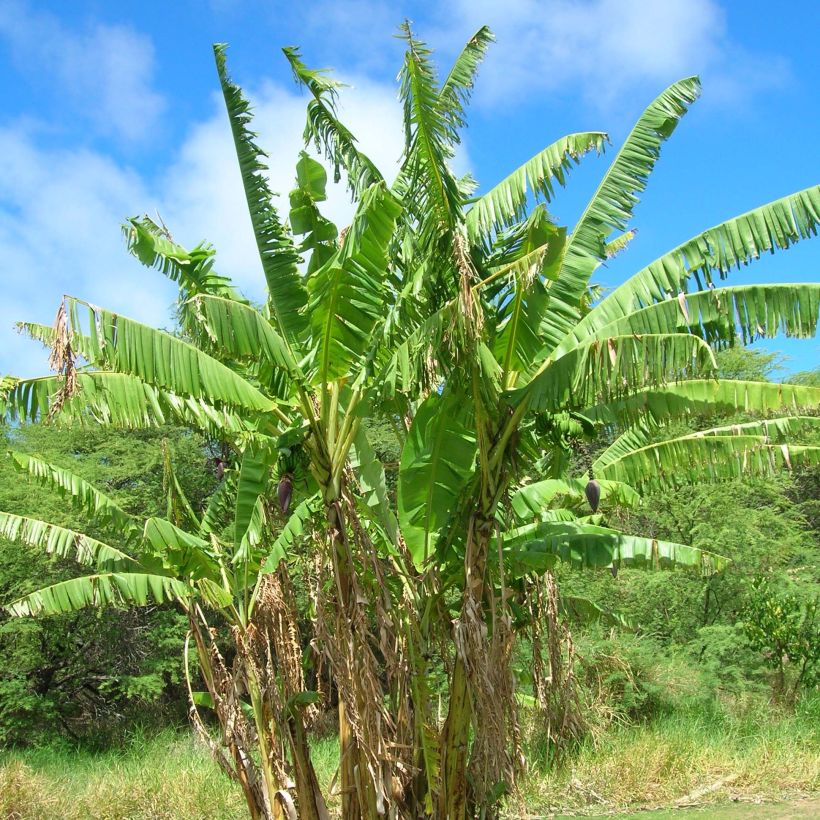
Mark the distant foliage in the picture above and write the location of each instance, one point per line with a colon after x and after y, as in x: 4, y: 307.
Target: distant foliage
x: 90, y: 674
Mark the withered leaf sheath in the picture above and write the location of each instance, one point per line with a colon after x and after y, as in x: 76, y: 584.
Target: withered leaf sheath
x: 593, y: 493
x: 285, y: 491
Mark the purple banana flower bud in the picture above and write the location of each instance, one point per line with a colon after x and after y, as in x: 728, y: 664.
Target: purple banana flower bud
x: 593, y: 494
x: 285, y: 491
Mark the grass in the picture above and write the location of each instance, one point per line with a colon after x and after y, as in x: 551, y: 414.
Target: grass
x: 164, y: 776
x: 757, y: 756
x: 169, y: 776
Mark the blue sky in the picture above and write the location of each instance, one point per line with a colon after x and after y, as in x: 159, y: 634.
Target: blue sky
x: 112, y: 109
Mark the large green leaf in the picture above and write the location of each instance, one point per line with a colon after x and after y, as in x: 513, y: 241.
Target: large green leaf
x: 436, y: 464
x: 286, y: 293
x: 116, y: 400
x: 119, y: 589
x: 614, y: 367
x: 718, y: 314
x: 85, y: 495
x: 507, y: 202
x: 64, y: 542
x: 736, y: 242
x: 253, y: 480
x: 537, y: 547
x: 695, y: 459
x: 611, y: 206
x: 704, y: 397
x: 534, y: 499
x: 773, y: 430
x: 347, y: 294
x: 164, y: 361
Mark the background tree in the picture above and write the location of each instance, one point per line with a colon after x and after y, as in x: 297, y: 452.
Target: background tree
x: 90, y: 675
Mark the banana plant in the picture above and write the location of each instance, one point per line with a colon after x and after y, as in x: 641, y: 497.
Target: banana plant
x: 472, y: 323
x: 517, y: 361
x: 207, y: 563
x: 288, y: 383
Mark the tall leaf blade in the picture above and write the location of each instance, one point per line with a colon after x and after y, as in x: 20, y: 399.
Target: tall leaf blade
x: 611, y: 206
x: 436, y: 464
x: 286, y: 293
x: 347, y: 295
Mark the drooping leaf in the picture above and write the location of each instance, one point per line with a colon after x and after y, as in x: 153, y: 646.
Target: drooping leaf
x: 326, y: 131
x: 720, y: 315
x: 713, y: 253
x: 458, y: 85
x: 116, y: 400
x: 82, y: 493
x: 192, y: 270
x: 221, y: 506
x: 523, y: 306
x: 243, y: 332
x: 118, y: 589
x: 64, y: 542
x: 695, y: 459
x: 773, y: 430
x: 613, y: 367
x: 162, y: 360
x: 537, y: 547
x: 697, y: 397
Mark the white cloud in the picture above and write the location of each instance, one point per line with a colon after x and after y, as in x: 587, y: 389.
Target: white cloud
x: 107, y: 70
x: 60, y: 216
x: 60, y: 211
x: 605, y: 49
x: 202, y: 191
x: 602, y: 51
